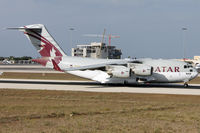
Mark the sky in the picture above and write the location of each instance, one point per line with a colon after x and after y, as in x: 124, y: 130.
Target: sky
x: 147, y: 28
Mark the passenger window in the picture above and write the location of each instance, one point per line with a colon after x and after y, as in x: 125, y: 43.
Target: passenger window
x: 185, y: 66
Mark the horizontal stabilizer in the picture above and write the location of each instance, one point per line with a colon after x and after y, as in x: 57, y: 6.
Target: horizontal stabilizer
x: 41, y: 40
x: 22, y: 28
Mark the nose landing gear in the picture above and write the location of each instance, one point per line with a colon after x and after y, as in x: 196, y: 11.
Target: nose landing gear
x: 185, y: 85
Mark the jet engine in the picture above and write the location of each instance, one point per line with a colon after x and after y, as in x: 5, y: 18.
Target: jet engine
x: 118, y: 71
x: 142, y: 70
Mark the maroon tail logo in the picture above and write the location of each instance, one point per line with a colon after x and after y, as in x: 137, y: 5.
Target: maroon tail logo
x: 45, y: 47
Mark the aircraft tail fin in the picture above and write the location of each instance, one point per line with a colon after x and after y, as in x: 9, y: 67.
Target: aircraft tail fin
x: 41, y: 40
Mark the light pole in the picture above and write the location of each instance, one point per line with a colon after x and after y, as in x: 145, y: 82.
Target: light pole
x: 184, y: 42
x: 70, y: 35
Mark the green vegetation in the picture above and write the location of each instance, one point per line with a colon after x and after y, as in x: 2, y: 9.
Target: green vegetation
x: 29, y: 111
x: 16, y: 58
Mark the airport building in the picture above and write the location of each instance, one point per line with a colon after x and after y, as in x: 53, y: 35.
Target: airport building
x: 195, y: 60
x: 97, y: 50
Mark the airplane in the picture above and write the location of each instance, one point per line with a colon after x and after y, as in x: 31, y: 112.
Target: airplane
x: 106, y: 71
x: 5, y: 61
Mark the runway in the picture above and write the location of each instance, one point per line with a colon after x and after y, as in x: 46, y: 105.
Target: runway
x: 90, y: 86
x: 29, y: 68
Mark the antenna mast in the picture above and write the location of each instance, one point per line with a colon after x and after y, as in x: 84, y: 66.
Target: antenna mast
x: 103, y: 36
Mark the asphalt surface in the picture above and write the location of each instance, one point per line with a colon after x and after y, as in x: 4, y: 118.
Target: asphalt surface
x: 89, y: 86
x: 35, y: 68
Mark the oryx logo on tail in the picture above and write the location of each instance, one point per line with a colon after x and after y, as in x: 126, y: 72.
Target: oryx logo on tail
x: 43, y: 42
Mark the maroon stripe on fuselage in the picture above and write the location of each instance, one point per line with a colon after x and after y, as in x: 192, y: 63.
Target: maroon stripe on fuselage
x: 55, y: 66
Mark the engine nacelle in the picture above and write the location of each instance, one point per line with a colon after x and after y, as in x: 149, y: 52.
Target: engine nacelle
x: 118, y: 71
x: 143, y: 70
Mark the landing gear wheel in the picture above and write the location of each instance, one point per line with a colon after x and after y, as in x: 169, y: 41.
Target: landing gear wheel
x: 125, y: 82
x: 185, y: 85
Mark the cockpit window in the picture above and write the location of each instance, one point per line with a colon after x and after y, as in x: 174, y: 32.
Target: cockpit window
x: 185, y: 66
x: 188, y: 66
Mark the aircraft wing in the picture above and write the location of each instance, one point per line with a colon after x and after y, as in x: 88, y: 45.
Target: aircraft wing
x: 88, y: 67
x: 98, y: 66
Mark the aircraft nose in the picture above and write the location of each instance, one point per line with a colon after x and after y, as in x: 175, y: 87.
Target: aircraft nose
x: 195, y: 73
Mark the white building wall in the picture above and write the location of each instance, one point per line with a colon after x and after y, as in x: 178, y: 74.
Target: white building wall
x: 95, y: 50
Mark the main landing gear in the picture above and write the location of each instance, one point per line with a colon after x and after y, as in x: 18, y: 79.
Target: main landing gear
x: 125, y: 82
x: 185, y: 85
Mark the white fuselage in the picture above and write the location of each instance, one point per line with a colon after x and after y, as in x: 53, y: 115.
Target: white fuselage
x: 164, y: 71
